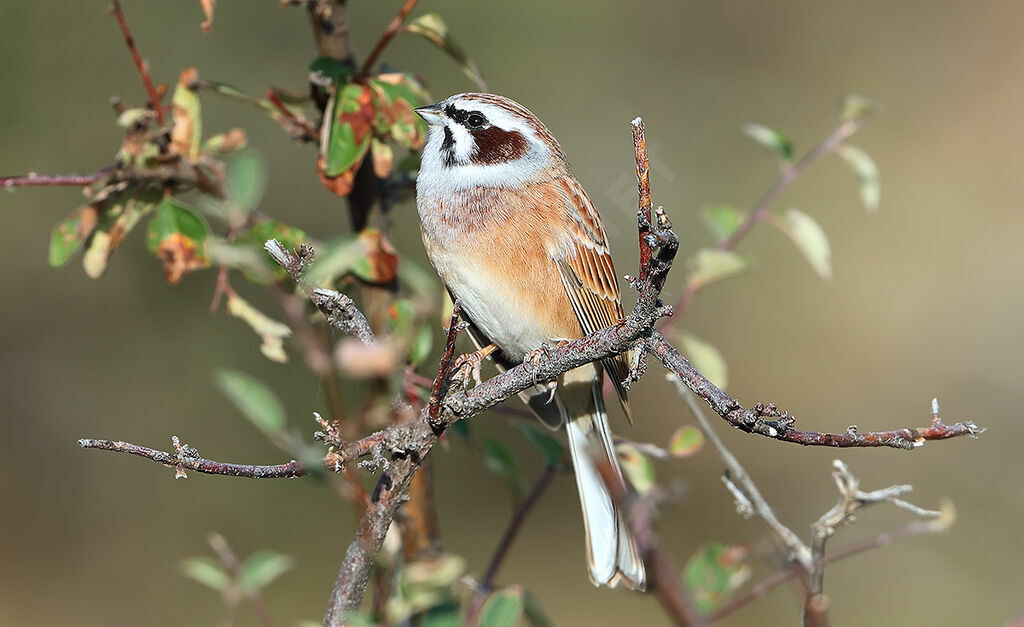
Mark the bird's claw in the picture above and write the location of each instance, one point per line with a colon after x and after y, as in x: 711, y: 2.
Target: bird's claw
x: 467, y: 366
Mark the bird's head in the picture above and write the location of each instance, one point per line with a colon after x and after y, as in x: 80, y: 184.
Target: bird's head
x: 485, y: 140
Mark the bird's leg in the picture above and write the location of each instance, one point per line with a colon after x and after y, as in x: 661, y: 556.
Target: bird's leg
x: 469, y: 364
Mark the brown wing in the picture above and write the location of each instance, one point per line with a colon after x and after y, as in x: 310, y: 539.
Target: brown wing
x: 589, y: 276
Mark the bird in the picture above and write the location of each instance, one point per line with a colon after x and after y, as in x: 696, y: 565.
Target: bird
x: 518, y: 243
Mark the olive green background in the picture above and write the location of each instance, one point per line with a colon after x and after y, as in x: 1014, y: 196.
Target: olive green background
x: 925, y: 301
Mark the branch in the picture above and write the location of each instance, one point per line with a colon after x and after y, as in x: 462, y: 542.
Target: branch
x: 39, y: 180
x: 760, y: 211
x: 385, y: 39
x: 187, y: 458
x: 341, y: 312
x: 140, y: 63
x: 767, y: 420
x: 486, y: 585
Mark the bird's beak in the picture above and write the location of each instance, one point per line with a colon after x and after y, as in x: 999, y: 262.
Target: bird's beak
x: 433, y: 114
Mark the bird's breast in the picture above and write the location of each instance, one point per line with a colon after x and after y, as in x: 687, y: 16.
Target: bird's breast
x: 494, y: 253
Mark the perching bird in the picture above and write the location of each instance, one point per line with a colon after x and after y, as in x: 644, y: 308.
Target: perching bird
x: 517, y: 241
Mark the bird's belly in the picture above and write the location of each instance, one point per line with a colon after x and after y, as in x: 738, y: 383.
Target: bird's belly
x: 515, y: 297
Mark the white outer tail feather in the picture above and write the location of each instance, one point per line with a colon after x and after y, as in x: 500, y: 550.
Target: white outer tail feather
x: 611, y: 551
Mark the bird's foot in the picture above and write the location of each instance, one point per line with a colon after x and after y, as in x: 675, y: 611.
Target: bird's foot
x: 532, y: 359
x: 467, y: 366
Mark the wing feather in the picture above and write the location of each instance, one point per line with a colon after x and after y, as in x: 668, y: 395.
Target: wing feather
x: 588, y: 275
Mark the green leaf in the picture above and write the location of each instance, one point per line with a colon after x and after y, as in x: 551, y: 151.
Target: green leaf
x: 503, y: 608
x: 206, y: 571
x: 433, y: 28
x: 686, y: 441
x: 867, y: 174
x: 771, y: 139
x: 422, y: 342
x: 69, y: 233
x: 810, y: 240
x: 246, y: 180
x: 330, y: 68
x: 857, y: 107
x: 711, y: 264
x: 254, y: 399
x: 535, y: 613
x: 114, y: 225
x: 706, y: 358
x: 714, y: 572
x: 398, y: 94
x: 178, y: 237
x: 551, y: 448
x: 445, y: 614
x: 271, y: 332
x: 723, y: 220
x: 187, y: 132
x: 261, y: 568
x: 638, y: 468
x: 348, y: 138
x: 499, y: 460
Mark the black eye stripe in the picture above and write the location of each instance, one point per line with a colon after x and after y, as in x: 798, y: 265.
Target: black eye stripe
x: 456, y: 114
x: 470, y: 119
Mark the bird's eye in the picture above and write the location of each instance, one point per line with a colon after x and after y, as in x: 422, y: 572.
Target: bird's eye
x: 475, y: 120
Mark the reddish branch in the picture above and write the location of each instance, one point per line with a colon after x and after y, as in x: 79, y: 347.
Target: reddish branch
x: 445, y: 365
x: 761, y: 210
x: 385, y: 39
x: 140, y: 63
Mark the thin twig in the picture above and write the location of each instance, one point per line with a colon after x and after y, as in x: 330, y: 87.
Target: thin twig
x: 39, y: 180
x: 385, y: 38
x: 514, y: 525
x: 444, y: 366
x: 140, y: 63
x: 748, y: 498
x: 760, y: 211
x: 879, y: 540
x: 767, y: 420
x: 341, y: 312
x: 188, y: 458
x: 522, y: 512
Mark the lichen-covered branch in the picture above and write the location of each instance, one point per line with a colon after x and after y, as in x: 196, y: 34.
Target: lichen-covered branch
x: 769, y: 421
x: 187, y: 458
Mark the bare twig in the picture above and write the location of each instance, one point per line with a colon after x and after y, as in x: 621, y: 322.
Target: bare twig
x: 749, y: 501
x: 40, y: 180
x: 187, y: 458
x: 444, y: 367
x: 522, y: 512
x: 883, y: 539
x: 140, y: 63
x: 341, y: 312
x: 385, y: 39
x: 761, y: 210
x: 851, y: 500
x: 769, y: 421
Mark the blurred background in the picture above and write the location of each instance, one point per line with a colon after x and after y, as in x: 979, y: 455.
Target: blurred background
x: 925, y: 300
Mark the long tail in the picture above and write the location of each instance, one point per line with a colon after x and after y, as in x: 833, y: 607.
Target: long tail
x: 611, y: 551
